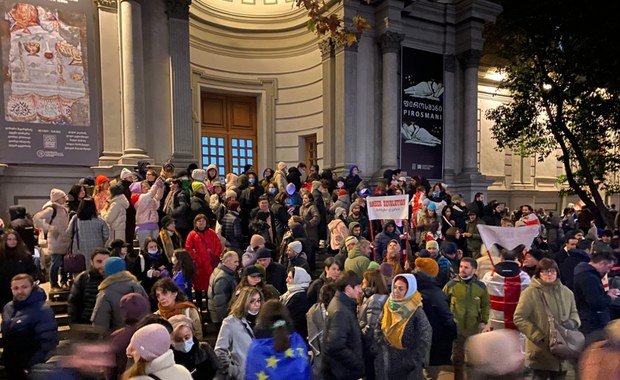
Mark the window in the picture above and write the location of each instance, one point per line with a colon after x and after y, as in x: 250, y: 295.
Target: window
x: 228, y: 132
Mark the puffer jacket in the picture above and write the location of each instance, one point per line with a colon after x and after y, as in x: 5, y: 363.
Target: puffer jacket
x: 29, y: 333
x: 531, y: 319
x: 107, y: 312
x: 205, y: 248
x: 116, y: 216
x: 342, y: 342
x: 221, y: 288
x: 369, y: 317
x: 83, y: 296
x: 165, y: 368
x: 147, y: 205
x: 469, y: 302
x: 311, y: 220
x: 57, y: 239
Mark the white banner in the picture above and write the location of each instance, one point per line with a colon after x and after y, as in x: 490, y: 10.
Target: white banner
x: 389, y: 207
x: 508, y: 237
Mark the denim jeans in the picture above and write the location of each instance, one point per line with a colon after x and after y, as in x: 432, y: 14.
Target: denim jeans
x: 57, y: 266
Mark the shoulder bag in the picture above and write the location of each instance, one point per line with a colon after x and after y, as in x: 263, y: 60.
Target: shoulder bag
x: 74, y: 262
x: 563, y: 343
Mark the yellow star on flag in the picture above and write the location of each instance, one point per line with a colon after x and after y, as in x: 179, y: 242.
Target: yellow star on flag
x: 262, y: 375
x: 272, y: 362
x: 289, y: 353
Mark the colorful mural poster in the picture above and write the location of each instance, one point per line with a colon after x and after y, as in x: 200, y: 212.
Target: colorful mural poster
x: 421, y: 131
x: 48, y: 110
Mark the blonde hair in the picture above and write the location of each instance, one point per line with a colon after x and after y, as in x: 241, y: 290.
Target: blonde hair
x: 239, y: 307
x: 137, y: 369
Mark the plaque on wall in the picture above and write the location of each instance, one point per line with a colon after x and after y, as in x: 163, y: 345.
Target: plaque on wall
x: 421, y: 130
x: 49, y: 113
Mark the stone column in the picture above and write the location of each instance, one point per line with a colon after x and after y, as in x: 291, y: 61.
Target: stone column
x: 470, y: 61
x: 389, y: 43
x: 453, y: 152
x: 132, y: 87
x: 182, y: 127
x: 329, y: 105
x: 346, y: 106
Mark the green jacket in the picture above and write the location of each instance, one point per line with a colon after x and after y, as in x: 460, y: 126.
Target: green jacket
x: 469, y: 302
x: 475, y: 241
x: 357, y: 262
x: 531, y: 319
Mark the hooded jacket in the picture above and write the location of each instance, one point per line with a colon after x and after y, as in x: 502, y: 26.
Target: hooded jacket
x: 296, y: 300
x: 116, y: 216
x: 221, y: 288
x: 357, y: 262
x: 591, y: 299
x: 107, y: 312
x: 29, y: 333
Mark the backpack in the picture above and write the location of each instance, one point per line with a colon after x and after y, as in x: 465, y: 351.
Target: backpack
x: 54, y: 212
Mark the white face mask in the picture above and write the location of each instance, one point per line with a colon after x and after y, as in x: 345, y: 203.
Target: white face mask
x: 253, y: 312
x: 184, y: 346
x: 153, y: 251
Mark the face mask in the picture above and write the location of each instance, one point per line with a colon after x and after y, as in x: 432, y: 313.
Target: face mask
x: 184, y: 346
x: 435, y: 193
x: 272, y: 190
x: 153, y: 251
x: 252, y: 181
x: 302, y: 171
x: 253, y: 312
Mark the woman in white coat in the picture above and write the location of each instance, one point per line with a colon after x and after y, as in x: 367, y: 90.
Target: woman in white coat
x: 115, y: 214
x: 153, y: 359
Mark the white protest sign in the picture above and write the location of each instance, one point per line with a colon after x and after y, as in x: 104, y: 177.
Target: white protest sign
x: 389, y: 207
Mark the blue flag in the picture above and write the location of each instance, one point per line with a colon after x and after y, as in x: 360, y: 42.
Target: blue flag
x: 264, y: 363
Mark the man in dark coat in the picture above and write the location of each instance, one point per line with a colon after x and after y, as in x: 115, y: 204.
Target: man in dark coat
x: 84, y: 290
x: 177, y: 205
x: 590, y: 297
x: 343, y: 358
x: 29, y: 329
x: 275, y: 273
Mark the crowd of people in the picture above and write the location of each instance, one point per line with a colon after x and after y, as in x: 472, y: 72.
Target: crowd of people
x: 392, y: 299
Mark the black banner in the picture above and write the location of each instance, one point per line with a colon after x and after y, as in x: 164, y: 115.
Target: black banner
x: 421, y: 132
x: 48, y: 101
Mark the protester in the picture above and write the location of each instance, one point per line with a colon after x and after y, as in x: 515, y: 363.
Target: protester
x: 84, y: 290
x: 14, y: 259
x: 171, y: 301
x: 198, y: 357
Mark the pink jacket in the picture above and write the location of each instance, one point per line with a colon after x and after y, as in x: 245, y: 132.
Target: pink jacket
x: 147, y: 205
x: 338, y: 232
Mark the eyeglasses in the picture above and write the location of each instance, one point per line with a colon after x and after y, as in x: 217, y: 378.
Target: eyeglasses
x: 255, y: 301
x: 548, y: 271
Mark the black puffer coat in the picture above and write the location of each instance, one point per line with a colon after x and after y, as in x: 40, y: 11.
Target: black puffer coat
x: 83, y: 296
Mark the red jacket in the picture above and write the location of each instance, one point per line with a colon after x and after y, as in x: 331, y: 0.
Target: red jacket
x: 205, y: 248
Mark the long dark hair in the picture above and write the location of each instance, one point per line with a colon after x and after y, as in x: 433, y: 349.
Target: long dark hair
x: 168, y: 286
x: 185, y: 264
x: 20, y: 252
x: 275, y: 316
x: 87, y: 209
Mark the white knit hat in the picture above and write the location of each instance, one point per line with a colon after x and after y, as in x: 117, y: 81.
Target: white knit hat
x: 56, y: 194
x: 295, y: 246
x: 126, y: 173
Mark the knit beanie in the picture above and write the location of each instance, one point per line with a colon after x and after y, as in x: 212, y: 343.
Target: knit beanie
x: 373, y: 265
x: 340, y: 211
x: 295, y: 246
x: 198, y: 187
x: 427, y: 265
x: 199, y: 175
x: 432, y: 244
x: 126, y: 173
x: 166, y: 220
x: 350, y: 239
x: 134, y: 307
x: 101, y: 179
x: 257, y: 240
x: 230, y: 194
x: 432, y: 206
x: 136, y: 187
x: 113, y: 265
x: 151, y: 341
x: 281, y: 165
x: 56, y: 194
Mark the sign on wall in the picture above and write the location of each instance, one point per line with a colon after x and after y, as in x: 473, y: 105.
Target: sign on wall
x: 421, y: 131
x: 49, y: 113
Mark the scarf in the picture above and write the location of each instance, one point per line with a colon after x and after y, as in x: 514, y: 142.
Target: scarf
x: 292, y: 290
x: 169, y: 203
x: 166, y: 242
x: 396, y: 314
x: 176, y: 309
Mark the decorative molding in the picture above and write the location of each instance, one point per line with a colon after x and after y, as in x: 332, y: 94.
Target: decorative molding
x: 389, y: 42
x: 107, y: 4
x: 470, y: 58
x: 178, y: 9
x: 450, y: 63
x: 327, y: 49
